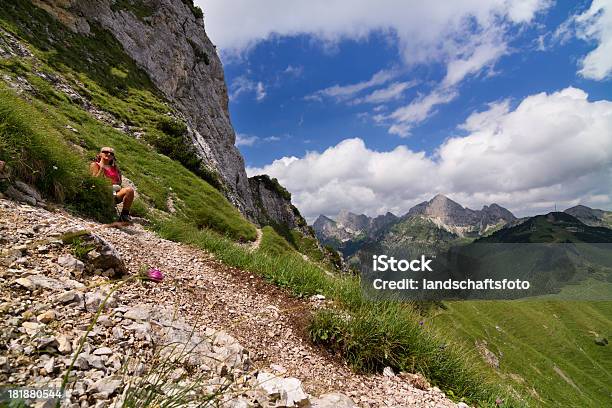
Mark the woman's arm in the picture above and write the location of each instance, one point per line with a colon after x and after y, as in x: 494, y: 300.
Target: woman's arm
x: 95, y: 169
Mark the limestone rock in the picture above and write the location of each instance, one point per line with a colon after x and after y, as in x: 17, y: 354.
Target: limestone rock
x: 94, y: 300
x: 103, y: 351
x: 39, y: 281
x: 17, y: 195
x: 105, y: 387
x: 601, y: 341
x: 64, y: 345
x: 388, y: 372
x: 46, y: 317
x: 183, y: 63
x: 138, y: 313
x: 288, y: 391
x: 332, y: 400
x: 70, y: 262
x: 273, y: 204
x: 32, y: 328
x: 28, y: 190
x: 487, y: 354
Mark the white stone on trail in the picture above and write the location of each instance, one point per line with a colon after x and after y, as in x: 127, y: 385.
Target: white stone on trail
x: 95, y: 299
x: 32, y: 328
x: 288, y: 391
x: 332, y: 400
x: 64, y: 345
x: 46, y: 317
x: 70, y: 262
x: 103, y: 351
x: 105, y: 387
x: 26, y: 283
x: 138, y: 313
x: 388, y: 372
x: 317, y: 298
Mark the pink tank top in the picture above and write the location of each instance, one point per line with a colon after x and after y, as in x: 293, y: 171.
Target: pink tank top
x: 113, y: 174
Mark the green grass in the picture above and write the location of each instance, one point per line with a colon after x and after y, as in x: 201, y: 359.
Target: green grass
x: 37, y: 131
x: 274, y: 244
x: 533, y: 337
x: 35, y: 152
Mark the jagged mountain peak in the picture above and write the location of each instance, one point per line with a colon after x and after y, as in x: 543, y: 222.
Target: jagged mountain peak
x: 454, y: 217
x: 442, y: 208
x: 322, y: 220
x: 353, y: 221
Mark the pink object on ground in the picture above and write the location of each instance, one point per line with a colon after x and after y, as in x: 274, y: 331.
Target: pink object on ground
x: 155, y: 275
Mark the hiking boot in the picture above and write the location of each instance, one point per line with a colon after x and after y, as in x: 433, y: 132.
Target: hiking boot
x: 125, y: 218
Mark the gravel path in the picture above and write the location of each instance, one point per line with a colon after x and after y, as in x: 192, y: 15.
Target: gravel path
x: 263, y: 318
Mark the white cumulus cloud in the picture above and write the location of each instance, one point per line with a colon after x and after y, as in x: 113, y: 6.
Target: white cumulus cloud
x: 425, y: 30
x: 245, y: 140
x: 595, y: 24
x: 551, y: 149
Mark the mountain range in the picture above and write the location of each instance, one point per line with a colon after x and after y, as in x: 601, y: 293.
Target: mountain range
x: 439, y: 223
x: 439, y: 213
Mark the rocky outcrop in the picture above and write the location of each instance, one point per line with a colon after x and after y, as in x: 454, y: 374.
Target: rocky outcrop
x: 273, y: 204
x: 591, y: 216
x: 168, y: 41
x: 327, y: 230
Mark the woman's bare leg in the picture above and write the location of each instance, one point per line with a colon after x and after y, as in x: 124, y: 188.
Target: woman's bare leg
x: 127, y: 196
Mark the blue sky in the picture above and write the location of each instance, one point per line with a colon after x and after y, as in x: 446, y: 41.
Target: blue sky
x: 355, y: 85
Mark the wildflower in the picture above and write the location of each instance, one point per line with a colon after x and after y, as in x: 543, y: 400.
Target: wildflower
x: 498, y: 401
x: 155, y: 275
x: 421, y: 323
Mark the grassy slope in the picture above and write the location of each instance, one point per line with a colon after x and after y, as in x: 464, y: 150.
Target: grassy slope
x: 156, y: 176
x: 37, y: 153
x: 536, y: 336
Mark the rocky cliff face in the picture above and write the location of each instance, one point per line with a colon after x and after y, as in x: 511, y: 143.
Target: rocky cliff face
x: 327, y: 230
x: 168, y: 41
x: 273, y: 204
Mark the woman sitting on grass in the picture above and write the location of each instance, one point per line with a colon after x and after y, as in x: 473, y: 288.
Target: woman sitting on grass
x: 105, y: 165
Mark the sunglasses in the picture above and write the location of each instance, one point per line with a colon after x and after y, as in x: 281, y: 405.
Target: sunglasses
x: 107, y: 152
